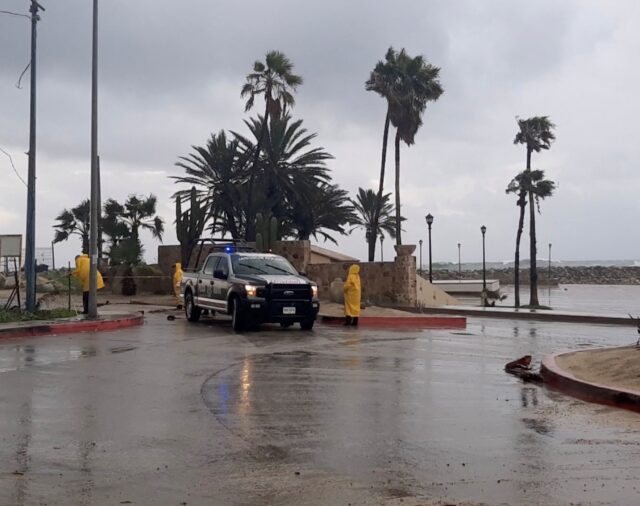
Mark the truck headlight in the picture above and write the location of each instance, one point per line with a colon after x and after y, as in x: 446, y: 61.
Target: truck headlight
x: 251, y: 290
x: 314, y: 291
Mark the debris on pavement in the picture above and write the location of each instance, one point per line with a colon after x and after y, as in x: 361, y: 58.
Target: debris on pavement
x: 522, y: 368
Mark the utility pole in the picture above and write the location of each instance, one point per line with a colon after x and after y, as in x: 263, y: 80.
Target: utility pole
x: 95, y: 209
x: 30, y: 247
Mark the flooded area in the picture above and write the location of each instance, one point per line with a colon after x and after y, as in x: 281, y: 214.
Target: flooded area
x: 172, y: 413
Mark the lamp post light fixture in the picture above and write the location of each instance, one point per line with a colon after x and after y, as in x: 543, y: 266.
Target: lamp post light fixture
x: 420, y: 243
x: 382, y: 247
x: 483, y: 229
x: 429, y: 219
x: 459, y: 264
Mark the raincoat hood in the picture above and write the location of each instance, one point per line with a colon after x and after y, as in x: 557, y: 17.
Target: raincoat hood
x: 354, y: 270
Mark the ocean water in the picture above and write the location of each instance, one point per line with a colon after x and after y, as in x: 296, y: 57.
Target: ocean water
x: 595, y: 299
x: 542, y: 263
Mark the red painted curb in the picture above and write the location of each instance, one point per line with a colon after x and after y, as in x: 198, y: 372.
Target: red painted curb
x: 565, y: 382
x: 73, y: 327
x: 427, y: 322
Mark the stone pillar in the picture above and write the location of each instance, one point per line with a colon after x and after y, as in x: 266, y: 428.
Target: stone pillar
x: 405, y: 275
x: 297, y: 252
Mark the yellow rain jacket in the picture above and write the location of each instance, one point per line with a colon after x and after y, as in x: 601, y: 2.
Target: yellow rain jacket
x: 82, y: 273
x: 352, y: 292
x: 177, y: 279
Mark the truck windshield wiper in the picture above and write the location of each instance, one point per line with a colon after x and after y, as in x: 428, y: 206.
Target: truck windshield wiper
x: 279, y: 269
x: 254, y: 268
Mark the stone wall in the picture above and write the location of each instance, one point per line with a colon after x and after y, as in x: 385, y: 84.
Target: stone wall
x: 386, y: 283
x: 377, y: 279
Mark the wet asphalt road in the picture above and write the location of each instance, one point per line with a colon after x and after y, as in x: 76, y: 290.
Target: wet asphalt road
x: 176, y: 413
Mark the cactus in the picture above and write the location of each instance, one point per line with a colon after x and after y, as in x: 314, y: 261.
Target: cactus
x: 266, y: 232
x: 189, y: 225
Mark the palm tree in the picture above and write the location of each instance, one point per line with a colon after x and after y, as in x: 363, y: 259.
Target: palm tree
x: 276, y: 81
x: 292, y: 181
x: 417, y: 85
x: 76, y: 221
x: 319, y: 210
x: 536, y: 133
x: 525, y: 183
x: 366, y: 206
x: 383, y: 80
x: 219, y: 171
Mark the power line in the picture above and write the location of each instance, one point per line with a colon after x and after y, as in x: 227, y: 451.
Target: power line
x: 15, y: 14
x: 14, y: 167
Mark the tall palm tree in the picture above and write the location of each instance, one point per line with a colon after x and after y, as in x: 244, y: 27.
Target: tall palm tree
x: 367, y: 207
x: 536, y: 134
x: 417, y: 85
x: 276, y: 81
x: 383, y: 80
x: 526, y: 183
x: 76, y: 221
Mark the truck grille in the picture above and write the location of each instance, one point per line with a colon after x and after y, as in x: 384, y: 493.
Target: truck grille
x: 290, y: 292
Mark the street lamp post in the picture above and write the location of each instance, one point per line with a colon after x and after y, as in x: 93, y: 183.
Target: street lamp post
x: 459, y: 265
x: 429, y: 219
x: 95, y: 207
x: 483, y: 229
x: 381, y: 247
x: 420, y: 243
x: 549, y: 281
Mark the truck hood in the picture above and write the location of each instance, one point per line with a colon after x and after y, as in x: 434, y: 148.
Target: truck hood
x: 264, y: 279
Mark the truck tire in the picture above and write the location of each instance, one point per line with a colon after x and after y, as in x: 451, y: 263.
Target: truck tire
x: 192, y: 311
x: 236, y: 316
x: 307, y: 324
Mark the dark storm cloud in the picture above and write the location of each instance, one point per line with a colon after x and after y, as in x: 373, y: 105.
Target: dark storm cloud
x: 171, y: 71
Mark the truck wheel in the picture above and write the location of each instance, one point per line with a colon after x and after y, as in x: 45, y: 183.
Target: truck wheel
x: 191, y: 310
x: 307, y: 324
x: 236, y: 316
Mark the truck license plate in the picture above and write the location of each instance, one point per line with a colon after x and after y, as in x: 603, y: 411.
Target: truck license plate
x: 288, y: 310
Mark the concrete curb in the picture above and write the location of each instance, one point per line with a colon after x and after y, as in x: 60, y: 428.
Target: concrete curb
x: 565, y: 382
x: 541, y: 315
x: 70, y: 327
x: 390, y: 322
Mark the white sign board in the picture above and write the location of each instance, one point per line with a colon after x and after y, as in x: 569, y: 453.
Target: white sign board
x: 10, y: 246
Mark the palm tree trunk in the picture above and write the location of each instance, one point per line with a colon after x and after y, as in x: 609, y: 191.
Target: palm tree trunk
x: 376, y: 216
x: 250, y: 229
x: 398, y: 219
x: 533, y: 270
x: 522, y: 202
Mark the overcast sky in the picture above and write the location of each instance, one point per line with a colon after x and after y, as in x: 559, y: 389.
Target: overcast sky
x: 171, y: 72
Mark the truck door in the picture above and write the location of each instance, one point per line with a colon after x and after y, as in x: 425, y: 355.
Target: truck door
x: 205, y: 282
x: 221, y: 283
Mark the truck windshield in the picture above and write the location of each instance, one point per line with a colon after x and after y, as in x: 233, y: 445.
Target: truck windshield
x: 261, y: 265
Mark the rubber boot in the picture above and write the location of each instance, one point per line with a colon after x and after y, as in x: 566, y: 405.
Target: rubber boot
x: 347, y: 321
x: 354, y: 321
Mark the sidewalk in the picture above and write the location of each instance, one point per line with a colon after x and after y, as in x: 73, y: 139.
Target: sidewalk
x: 107, y: 320
x: 384, y: 317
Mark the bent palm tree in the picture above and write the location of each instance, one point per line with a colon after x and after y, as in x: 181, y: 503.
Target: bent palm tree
x: 384, y: 81
x: 76, y: 221
x: 276, y: 81
x: 536, y: 133
x: 374, y: 217
x: 526, y: 183
x: 417, y: 85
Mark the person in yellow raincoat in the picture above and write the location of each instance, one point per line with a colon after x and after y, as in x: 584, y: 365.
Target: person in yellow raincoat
x: 352, y: 296
x: 82, y: 273
x: 177, y: 279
